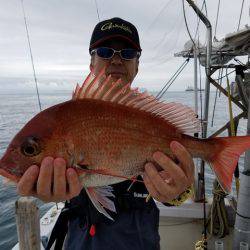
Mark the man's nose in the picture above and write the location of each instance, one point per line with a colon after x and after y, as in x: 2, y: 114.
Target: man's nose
x: 116, y: 59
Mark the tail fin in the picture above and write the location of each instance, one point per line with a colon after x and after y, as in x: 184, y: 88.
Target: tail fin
x: 225, y: 160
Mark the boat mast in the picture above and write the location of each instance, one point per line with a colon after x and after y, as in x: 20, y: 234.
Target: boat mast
x: 197, y: 194
x: 208, y: 69
x: 242, y: 223
x: 199, y: 182
x: 195, y: 81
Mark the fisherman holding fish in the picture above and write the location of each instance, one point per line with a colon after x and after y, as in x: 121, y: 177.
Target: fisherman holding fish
x: 115, y: 45
x: 109, y: 148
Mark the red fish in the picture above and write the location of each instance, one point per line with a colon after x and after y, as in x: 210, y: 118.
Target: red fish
x: 108, y: 131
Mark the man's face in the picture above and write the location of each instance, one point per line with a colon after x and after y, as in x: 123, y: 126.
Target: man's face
x: 117, y: 67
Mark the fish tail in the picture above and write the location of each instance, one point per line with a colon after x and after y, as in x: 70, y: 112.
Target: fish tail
x: 224, y: 161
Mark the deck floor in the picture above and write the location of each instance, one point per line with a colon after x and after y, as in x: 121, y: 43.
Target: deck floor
x: 183, y: 233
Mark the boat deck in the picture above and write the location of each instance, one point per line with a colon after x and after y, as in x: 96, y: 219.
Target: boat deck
x: 183, y: 233
x: 180, y: 227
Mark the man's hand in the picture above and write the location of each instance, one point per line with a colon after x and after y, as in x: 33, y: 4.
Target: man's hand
x: 52, y: 182
x: 174, y: 179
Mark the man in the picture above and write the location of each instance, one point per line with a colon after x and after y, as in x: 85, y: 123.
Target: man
x: 114, y: 45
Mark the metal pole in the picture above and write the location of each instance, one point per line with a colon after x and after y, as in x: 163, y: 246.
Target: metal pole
x: 197, y: 170
x: 195, y: 82
x: 208, y: 69
x: 242, y: 221
x: 207, y: 86
x: 200, y: 184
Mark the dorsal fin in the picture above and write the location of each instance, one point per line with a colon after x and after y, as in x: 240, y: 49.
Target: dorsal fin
x: 104, y: 88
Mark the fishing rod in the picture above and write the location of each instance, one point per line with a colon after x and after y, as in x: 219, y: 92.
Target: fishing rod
x: 31, y: 55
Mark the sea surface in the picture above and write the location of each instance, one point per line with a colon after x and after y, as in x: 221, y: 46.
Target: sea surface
x: 17, y: 108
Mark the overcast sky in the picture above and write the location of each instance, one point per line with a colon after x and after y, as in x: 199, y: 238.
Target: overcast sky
x: 60, y: 31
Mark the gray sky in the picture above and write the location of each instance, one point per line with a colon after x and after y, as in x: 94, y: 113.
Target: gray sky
x: 60, y: 31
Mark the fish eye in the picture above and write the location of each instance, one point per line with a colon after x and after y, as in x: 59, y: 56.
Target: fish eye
x: 30, y: 147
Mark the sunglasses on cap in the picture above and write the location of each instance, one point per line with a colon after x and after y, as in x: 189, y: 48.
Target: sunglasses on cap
x: 108, y: 53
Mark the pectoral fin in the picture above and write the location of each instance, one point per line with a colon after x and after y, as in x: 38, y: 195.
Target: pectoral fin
x: 99, y: 198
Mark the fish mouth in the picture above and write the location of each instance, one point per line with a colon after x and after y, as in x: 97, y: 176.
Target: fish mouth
x: 9, y: 170
x: 9, y: 176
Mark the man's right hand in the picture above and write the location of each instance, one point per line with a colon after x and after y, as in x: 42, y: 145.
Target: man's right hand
x: 52, y: 182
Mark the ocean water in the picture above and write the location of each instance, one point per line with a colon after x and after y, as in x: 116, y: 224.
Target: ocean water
x: 17, y: 108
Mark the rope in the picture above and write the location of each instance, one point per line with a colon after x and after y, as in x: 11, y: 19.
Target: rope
x: 238, y: 61
x: 215, y: 100
x: 227, y: 74
x: 233, y: 203
x: 165, y: 43
x: 218, y: 218
x: 198, y: 22
x: 216, y: 23
x: 205, y: 7
x: 240, y: 14
x: 217, y: 222
x: 158, y: 15
x: 185, y: 19
x: 201, y: 244
x: 97, y: 11
x: 31, y: 56
x: 172, y: 79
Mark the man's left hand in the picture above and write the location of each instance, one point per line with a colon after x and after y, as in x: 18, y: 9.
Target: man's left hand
x: 174, y: 179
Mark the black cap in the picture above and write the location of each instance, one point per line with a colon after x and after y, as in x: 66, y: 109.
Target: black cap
x: 115, y: 27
